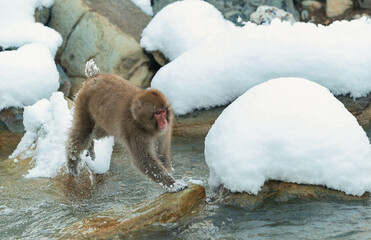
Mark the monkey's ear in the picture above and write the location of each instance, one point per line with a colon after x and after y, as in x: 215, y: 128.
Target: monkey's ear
x: 135, y: 107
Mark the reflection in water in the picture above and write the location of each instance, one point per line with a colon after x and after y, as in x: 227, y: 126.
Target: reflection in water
x: 40, y: 208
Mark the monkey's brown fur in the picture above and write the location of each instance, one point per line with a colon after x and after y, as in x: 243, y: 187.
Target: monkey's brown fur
x: 108, y: 105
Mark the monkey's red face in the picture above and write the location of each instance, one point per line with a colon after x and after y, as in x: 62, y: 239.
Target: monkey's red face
x: 160, y: 116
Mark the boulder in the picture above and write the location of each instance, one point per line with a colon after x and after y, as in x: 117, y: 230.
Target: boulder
x: 276, y: 192
x: 11, y: 119
x: 235, y: 9
x: 108, y: 31
x: 336, y: 8
x: 168, y: 208
x: 42, y: 15
x: 363, y: 3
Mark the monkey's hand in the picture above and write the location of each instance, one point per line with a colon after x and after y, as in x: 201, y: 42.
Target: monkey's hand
x: 177, y: 186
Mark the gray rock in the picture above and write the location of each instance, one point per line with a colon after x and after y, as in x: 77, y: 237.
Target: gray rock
x: 42, y: 15
x: 64, y: 81
x: 108, y: 31
x: 362, y: 3
x: 235, y: 9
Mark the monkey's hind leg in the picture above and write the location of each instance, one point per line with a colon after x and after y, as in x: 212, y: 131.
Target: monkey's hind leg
x: 97, y: 134
x: 78, y: 140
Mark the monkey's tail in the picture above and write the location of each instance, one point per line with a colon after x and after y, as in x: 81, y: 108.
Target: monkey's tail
x: 91, y: 68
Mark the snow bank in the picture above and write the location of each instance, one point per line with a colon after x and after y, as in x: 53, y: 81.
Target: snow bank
x: 27, y: 75
x: 144, y: 5
x: 46, y: 124
x: 288, y: 129
x: 18, y: 27
x: 180, y: 25
x: 222, y: 67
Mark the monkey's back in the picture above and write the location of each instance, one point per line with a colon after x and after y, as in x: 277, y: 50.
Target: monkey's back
x: 107, y: 97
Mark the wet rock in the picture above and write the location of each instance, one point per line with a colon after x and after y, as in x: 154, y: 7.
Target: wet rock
x: 160, y: 58
x: 108, y: 31
x: 11, y: 119
x: 196, y: 124
x: 235, y: 9
x: 336, y: 8
x: 265, y: 14
x: 276, y: 192
x: 8, y: 142
x: 168, y: 208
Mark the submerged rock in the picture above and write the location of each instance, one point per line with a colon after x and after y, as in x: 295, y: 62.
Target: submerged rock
x: 277, y: 192
x: 168, y: 208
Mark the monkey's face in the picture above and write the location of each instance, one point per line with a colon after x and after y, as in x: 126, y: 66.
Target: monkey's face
x: 152, y: 111
x: 161, y: 118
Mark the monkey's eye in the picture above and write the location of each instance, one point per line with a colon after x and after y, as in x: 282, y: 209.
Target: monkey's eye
x: 158, y: 112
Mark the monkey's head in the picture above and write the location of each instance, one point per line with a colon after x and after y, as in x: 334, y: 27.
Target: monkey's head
x: 151, y: 110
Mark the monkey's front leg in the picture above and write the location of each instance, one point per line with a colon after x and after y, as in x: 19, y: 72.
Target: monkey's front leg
x: 152, y: 167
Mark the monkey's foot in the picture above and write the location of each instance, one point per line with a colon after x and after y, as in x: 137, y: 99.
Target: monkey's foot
x: 179, y: 185
x: 73, y: 167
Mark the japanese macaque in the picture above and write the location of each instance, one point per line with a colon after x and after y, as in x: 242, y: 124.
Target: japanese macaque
x: 108, y: 105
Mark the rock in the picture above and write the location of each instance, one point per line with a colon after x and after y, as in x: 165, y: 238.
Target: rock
x: 311, y: 5
x: 108, y: 31
x: 42, y: 15
x: 168, y: 208
x: 11, y: 119
x: 198, y: 123
x: 235, y: 9
x: 64, y: 81
x: 265, y: 14
x: 8, y: 142
x: 363, y: 3
x: 276, y: 191
x: 336, y: 8
x: 160, y: 58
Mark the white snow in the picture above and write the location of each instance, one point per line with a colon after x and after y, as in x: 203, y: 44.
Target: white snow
x: 144, y: 5
x: 27, y: 75
x: 221, y: 67
x: 46, y: 124
x: 103, y: 151
x: 18, y: 26
x: 180, y: 25
x: 288, y: 129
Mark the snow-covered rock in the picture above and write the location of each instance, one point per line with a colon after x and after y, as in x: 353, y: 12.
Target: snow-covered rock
x: 288, y: 129
x: 180, y: 25
x: 27, y: 75
x: 222, y: 67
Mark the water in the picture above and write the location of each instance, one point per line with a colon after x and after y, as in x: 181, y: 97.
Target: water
x: 40, y: 208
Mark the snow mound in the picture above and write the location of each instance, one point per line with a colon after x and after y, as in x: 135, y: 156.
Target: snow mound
x: 288, y: 129
x: 180, y: 25
x: 18, y: 26
x: 47, y: 123
x: 145, y: 6
x: 220, y: 68
x: 27, y: 75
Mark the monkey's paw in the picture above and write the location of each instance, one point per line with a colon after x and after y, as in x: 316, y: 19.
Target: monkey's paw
x: 179, y: 185
x: 73, y: 167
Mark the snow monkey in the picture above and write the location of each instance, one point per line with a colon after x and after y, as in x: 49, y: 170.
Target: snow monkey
x: 108, y: 105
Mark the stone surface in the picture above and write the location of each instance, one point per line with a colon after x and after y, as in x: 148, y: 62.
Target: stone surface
x: 108, y: 31
x: 362, y: 3
x: 198, y: 123
x: 11, y: 119
x: 64, y: 81
x: 233, y: 9
x: 168, y: 208
x: 335, y: 8
x: 42, y: 15
x: 311, y: 5
x: 276, y: 191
